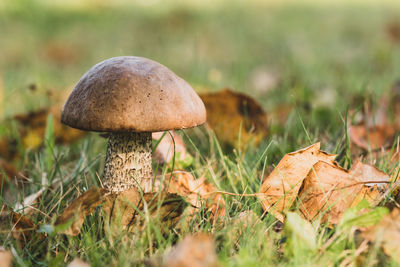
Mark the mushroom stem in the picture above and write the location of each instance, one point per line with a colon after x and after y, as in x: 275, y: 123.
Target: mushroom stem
x: 128, y: 162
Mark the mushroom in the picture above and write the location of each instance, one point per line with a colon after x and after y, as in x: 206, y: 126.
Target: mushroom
x: 131, y: 97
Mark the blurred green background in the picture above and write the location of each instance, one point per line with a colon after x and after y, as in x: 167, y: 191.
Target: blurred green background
x: 313, y: 52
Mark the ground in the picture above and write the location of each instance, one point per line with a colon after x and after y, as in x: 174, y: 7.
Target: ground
x: 315, y: 59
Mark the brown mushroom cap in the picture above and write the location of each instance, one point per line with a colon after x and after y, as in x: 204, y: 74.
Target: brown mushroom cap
x: 136, y: 94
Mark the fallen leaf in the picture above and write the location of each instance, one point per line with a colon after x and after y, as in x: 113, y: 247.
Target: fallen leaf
x: 60, y: 52
x: 393, y: 31
x: 372, y: 138
x: 32, y: 127
x: 387, y: 234
x: 171, y: 143
x: 78, y: 263
x: 129, y: 210
x: 281, y: 187
x: 9, y: 148
x: 193, y: 251
x: 198, y: 192
x: 372, y: 192
x: 8, y: 173
x: 231, y: 113
x: 327, y: 191
x: 79, y: 209
x: 6, y: 258
x: 374, y: 128
x: 365, y: 172
x: 23, y: 229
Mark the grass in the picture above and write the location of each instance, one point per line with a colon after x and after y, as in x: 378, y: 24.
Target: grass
x: 342, y: 50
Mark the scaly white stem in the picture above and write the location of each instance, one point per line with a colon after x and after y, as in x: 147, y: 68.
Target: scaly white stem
x: 128, y: 162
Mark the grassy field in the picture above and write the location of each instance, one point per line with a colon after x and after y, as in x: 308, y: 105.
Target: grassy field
x: 320, y: 57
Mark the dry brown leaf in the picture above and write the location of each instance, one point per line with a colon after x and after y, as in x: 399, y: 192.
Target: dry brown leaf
x: 8, y: 173
x: 164, y: 152
x: 198, y: 192
x: 6, y: 258
x: 387, y: 233
x: 130, y: 210
x: 393, y: 31
x: 32, y: 127
x: 365, y: 172
x: 372, y: 138
x: 281, y: 187
x: 372, y: 192
x: 23, y: 229
x: 60, y: 52
x: 193, y: 251
x: 78, y: 263
x: 125, y: 209
x: 9, y: 148
x: 227, y: 111
x: 327, y: 190
x: 121, y: 209
x: 375, y: 128
x: 79, y: 209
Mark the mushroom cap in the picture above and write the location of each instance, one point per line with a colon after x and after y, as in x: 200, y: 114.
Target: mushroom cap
x: 127, y: 93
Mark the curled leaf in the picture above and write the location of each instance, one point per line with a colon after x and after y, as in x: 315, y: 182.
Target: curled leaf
x: 229, y: 113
